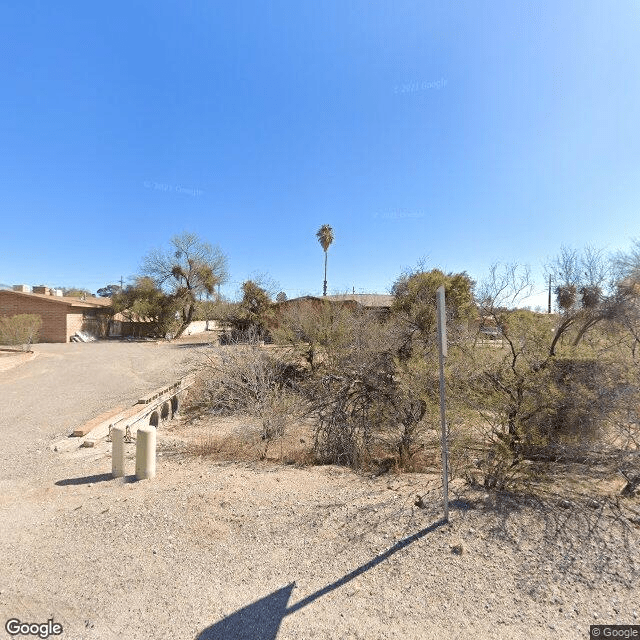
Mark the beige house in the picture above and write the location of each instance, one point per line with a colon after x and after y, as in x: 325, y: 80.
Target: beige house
x: 61, y: 317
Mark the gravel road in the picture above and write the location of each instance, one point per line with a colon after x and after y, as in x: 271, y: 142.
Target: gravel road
x: 222, y: 550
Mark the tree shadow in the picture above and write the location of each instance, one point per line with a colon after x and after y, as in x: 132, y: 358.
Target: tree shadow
x: 261, y: 619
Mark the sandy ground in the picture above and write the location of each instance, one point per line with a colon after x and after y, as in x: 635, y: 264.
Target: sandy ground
x: 253, y: 550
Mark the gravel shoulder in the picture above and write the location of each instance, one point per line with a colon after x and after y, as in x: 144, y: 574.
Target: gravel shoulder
x: 254, y: 550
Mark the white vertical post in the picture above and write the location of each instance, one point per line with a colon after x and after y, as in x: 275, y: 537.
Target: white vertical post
x: 442, y: 353
x: 117, y: 451
x: 146, y: 453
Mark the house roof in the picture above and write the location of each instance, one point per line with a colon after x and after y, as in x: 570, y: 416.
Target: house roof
x: 88, y: 303
x: 367, y: 300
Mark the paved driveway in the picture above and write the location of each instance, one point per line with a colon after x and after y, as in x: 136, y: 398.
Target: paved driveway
x: 67, y: 384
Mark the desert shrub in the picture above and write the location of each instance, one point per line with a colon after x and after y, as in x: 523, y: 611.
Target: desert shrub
x: 554, y: 387
x: 20, y: 330
x: 251, y: 316
x: 581, y: 397
x: 557, y: 386
x: 145, y: 301
x: 351, y: 411
x: 371, y: 399
x: 317, y: 330
x: 414, y: 307
x: 365, y: 406
x: 249, y: 380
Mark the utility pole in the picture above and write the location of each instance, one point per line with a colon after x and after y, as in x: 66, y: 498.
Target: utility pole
x: 549, y: 293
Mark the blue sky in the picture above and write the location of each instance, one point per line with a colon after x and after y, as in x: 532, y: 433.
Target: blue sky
x: 465, y: 133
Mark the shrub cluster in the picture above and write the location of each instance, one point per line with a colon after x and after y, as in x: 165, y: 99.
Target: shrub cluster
x: 546, y: 387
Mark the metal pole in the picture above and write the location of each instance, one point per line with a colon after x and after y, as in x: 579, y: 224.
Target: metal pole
x: 442, y: 352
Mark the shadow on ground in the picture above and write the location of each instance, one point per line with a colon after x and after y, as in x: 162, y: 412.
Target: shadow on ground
x: 261, y: 619
x: 100, y: 477
x: 193, y: 345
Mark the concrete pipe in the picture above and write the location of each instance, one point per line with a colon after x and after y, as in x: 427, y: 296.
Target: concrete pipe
x: 146, y: 453
x: 117, y: 451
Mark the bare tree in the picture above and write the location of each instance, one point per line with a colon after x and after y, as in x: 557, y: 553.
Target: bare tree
x: 584, y: 292
x: 191, y: 267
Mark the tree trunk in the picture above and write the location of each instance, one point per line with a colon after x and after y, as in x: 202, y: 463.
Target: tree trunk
x: 186, y: 319
x: 324, y: 291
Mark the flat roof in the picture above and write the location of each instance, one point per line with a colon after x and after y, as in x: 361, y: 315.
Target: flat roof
x: 89, y: 303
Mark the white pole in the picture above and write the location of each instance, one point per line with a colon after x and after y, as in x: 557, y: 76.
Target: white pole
x: 117, y: 451
x: 442, y: 353
x: 146, y: 453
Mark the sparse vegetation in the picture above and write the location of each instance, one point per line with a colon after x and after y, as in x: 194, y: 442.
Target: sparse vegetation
x: 546, y: 390
x: 20, y: 330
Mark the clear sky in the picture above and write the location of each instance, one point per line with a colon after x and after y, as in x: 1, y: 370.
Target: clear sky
x: 462, y: 132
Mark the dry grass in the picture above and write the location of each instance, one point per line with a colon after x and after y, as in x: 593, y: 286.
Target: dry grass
x: 239, y: 440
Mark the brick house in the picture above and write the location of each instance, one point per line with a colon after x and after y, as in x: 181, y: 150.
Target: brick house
x: 61, y: 317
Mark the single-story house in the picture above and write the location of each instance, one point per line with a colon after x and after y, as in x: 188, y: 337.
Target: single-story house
x: 375, y: 302
x: 61, y: 316
x: 379, y: 304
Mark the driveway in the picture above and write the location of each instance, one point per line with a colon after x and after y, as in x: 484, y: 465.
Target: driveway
x: 65, y: 385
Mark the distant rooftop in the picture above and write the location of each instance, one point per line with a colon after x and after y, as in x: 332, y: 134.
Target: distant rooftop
x: 367, y: 300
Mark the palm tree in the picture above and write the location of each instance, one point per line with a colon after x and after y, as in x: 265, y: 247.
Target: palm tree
x: 325, y: 238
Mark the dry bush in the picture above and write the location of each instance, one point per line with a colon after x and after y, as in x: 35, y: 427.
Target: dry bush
x: 239, y: 439
x: 351, y: 393
x: 251, y: 381
x: 369, y: 410
x: 317, y: 330
x: 20, y: 330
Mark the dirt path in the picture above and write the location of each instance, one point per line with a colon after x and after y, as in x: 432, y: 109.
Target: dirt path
x: 221, y: 550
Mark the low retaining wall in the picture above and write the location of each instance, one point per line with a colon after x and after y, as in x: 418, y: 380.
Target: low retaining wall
x: 153, y: 409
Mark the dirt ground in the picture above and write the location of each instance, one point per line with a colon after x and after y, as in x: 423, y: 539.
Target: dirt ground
x: 215, y: 549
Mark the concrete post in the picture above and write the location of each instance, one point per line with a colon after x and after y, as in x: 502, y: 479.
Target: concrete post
x: 117, y: 451
x: 146, y: 453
